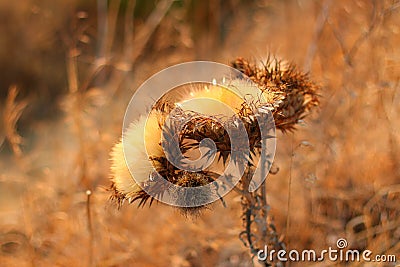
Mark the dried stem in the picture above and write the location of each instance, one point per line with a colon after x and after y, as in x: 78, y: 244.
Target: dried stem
x: 318, y: 30
x: 145, y: 32
x: 90, y: 228
x: 260, y: 230
x: 289, y: 193
x: 73, y: 86
x: 378, y: 16
x: 12, y: 112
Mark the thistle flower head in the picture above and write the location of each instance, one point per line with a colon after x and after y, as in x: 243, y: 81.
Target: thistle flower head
x: 177, y: 125
x: 290, y: 92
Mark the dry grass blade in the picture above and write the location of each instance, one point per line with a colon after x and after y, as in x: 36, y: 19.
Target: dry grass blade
x: 318, y: 30
x: 2, y: 130
x: 143, y: 36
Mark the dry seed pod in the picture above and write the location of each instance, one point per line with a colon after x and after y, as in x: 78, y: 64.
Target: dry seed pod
x: 292, y: 91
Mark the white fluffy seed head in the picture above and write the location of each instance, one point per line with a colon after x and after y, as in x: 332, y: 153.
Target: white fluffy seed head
x: 132, y: 151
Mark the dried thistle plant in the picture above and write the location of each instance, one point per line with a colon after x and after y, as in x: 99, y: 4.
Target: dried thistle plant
x: 284, y: 92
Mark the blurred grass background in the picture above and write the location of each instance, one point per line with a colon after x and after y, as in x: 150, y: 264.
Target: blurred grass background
x: 69, y: 68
